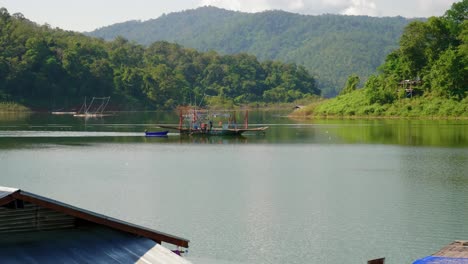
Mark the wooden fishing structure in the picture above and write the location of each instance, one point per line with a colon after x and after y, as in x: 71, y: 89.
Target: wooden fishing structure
x: 202, y: 123
x: 94, y: 109
x: 409, y: 86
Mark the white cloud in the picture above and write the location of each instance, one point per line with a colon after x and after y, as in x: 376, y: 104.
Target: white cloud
x: 69, y: 14
x: 296, y: 5
x: 434, y: 7
x: 240, y: 5
x: 407, y: 8
x: 361, y: 7
x: 256, y: 6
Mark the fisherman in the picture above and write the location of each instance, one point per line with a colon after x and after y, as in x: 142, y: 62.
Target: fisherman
x: 211, y: 125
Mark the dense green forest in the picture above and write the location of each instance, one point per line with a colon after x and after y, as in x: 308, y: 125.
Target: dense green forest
x: 426, y: 76
x: 332, y: 47
x: 46, y: 68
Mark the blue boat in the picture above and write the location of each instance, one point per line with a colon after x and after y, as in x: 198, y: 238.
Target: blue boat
x: 156, y: 133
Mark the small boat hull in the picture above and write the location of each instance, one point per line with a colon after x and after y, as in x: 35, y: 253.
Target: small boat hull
x: 156, y: 133
x: 63, y: 113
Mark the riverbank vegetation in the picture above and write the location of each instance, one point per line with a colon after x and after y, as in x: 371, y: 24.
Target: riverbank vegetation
x: 7, y: 107
x: 427, y: 76
x: 47, y: 69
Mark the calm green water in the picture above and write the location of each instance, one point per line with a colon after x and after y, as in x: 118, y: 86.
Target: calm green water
x: 306, y: 192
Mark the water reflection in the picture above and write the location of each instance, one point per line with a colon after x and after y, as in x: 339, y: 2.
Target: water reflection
x: 330, y: 191
x: 449, y: 133
x: 10, y: 117
x: 212, y: 140
x: 282, y: 130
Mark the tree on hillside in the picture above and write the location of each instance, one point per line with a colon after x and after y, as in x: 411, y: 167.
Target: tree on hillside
x: 331, y: 46
x: 351, y: 84
x: 432, y: 51
x: 44, y: 67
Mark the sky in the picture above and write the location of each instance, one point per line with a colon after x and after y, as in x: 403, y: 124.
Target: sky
x: 87, y: 15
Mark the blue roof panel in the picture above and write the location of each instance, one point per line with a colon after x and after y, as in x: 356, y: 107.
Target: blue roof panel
x: 441, y: 260
x: 83, y: 245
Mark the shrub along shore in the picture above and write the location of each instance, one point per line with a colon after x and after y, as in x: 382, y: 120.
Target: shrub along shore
x: 355, y: 105
x: 10, y: 107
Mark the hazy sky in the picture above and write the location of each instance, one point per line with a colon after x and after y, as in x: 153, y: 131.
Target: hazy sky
x: 87, y: 15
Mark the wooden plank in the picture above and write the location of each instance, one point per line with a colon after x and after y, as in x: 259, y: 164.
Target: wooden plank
x: 102, y: 220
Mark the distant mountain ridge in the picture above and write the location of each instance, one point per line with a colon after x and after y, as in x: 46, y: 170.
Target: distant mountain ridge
x: 331, y: 47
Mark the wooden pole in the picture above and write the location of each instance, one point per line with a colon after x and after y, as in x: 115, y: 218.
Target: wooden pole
x: 376, y: 261
x: 181, y: 118
x: 246, y: 119
x: 235, y: 120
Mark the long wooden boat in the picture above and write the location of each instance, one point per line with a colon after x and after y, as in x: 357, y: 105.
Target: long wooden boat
x: 156, y: 133
x: 216, y: 131
x: 86, y: 115
x: 64, y: 113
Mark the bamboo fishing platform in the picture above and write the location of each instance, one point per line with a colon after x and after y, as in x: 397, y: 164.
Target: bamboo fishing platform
x: 200, y: 123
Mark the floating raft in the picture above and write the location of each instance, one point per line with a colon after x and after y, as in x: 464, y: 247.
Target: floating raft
x: 456, y: 252
x: 216, y: 131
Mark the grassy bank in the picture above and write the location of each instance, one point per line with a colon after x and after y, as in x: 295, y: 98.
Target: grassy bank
x: 9, y: 107
x: 356, y: 105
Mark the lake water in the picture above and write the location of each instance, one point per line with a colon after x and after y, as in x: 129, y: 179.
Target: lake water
x: 318, y: 191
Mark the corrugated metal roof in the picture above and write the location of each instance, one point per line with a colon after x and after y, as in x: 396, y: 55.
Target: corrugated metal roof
x: 36, y: 229
x: 10, y: 195
x: 84, y: 245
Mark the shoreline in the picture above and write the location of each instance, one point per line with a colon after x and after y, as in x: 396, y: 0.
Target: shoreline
x: 342, y: 117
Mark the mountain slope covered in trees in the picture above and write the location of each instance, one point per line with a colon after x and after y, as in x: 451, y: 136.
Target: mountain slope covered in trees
x: 49, y: 68
x: 426, y: 76
x: 332, y: 47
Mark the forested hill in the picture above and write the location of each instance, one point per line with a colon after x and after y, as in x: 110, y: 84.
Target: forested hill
x: 332, y: 47
x: 49, y: 68
x: 427, y: 76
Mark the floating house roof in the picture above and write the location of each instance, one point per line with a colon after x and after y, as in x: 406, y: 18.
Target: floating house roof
x: 456, y: 252
x: 35, y: 229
